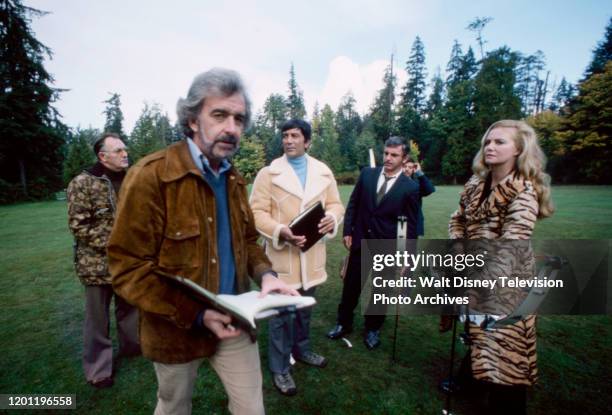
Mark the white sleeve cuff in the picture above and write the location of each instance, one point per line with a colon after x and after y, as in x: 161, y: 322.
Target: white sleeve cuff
x: 276, y: 243
x: 334, y: 232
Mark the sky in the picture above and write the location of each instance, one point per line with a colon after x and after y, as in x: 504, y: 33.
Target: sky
x: 150, y: 51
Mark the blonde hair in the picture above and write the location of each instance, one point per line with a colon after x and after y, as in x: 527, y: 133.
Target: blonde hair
x: 530, y: 162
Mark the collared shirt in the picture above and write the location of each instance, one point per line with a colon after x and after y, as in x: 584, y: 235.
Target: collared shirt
x: 390, y: 182
x: 218, y: 183
x: 203, y: 163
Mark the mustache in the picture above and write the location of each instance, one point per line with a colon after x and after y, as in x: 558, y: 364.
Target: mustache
x: 228, y: 138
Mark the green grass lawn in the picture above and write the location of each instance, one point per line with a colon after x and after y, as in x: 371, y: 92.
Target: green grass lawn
x: 42, y: 310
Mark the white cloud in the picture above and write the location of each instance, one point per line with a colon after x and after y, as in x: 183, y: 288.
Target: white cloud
x: 364, y: 81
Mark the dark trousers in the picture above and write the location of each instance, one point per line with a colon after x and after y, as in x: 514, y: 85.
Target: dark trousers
x: 351, y: 290
x: 506, y: 400
x: 289, y: 333
x: 97, y: 343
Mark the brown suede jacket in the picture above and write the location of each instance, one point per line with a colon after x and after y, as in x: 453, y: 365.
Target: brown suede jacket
x: 166, y: 223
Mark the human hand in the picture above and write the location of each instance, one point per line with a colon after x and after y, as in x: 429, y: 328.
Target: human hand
x: 269, y: 283
x: 326, y: 225
x: 348, y: 241
x: 287, y: 235
x: 219, y: 324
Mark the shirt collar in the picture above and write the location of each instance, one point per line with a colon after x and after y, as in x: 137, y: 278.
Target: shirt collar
x: 395, y: 176
x: 202, y: 162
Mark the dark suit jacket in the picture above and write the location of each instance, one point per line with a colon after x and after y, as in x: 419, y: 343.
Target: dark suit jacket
x: 364, y: 220
x: 426, y: 188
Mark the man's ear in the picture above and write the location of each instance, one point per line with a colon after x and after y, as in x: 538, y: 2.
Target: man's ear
x: 307, y: 144
x: 193, y: 124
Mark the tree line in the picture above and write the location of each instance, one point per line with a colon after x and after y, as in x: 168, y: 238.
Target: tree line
x: 443, y: 116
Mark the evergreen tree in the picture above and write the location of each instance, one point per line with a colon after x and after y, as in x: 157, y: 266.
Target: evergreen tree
x: 267, y: 126
x: 477, y: 25
x: 413, y: 94
x: 114, y: 116
x: 275, y: 112
x: 529, y: 83
x: 381, y: 111
x: 176, y: 133
x: 587, y: 131
x: 436, y: 98
x: 330, y: 149
x: 562, y: 96
x: 295, y: 100
x: 494, y: 94
x: 32, y: 145
x: 149, y: 134
x: 602, y: 54
x: 80, y: 153
x: 410, y: 112
x: 348, y: 127
x: 453, y: 129
x: 366, y: 141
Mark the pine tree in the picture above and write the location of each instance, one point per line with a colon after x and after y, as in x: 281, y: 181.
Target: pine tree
x: 436, y: 98
x: 413, y: 94
x: 80, y: 153
x: 381, y: 111
x: 31, y: 149
x: 454, y: 65
x: 348, y: 127
x: 602, y: 54
x: 529, y: 83
x: 114, y: 115
x: 330, y: 152
x: 295, y: 100
x: 150, y: 133
x: 495, y: 97
x: 412, y: 104
x: 477, y: 25
x: 267, y: 126
x: 562, y: 96
x: 453, y: 129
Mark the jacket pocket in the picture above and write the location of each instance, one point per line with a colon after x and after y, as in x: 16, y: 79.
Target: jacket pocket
x: 180, y: 247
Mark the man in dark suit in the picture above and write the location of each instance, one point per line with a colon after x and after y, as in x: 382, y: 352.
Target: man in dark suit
x: 380, y: 196
x: 413, y: 170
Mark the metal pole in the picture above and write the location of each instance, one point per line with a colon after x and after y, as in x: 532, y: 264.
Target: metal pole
x: 447, y: 411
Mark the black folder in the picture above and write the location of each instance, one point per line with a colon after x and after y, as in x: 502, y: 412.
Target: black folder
x: 307, y: 224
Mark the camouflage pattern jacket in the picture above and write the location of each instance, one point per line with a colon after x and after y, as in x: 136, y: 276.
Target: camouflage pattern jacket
x: 91, y: 213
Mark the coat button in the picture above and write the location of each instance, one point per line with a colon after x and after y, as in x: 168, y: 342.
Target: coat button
x: 178, y: 234
x: 214, y: 261
x: 209, y: 219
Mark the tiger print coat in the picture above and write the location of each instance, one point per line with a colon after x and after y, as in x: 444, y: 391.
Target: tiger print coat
x: 505, y: 355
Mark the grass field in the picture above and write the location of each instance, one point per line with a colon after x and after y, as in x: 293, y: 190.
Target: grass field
x: 42, y: 309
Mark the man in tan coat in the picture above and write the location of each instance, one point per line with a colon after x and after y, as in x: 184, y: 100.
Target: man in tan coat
x: 291, y: 184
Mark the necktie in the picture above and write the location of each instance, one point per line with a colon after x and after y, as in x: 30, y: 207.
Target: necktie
x: 383, y: 189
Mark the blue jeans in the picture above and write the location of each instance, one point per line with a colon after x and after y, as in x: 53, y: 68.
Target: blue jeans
x: 289, y: 333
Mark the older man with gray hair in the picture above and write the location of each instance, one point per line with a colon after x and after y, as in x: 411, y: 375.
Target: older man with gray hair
x: 184, y: 211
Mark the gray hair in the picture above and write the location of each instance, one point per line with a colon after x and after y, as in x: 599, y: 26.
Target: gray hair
x: 215, y: 82
x: 398, y: 141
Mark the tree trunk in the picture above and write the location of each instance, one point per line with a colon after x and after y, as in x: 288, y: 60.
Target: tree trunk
x: 22, y: 177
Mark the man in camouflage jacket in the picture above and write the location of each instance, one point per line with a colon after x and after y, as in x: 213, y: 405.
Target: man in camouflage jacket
x: 92, y: 197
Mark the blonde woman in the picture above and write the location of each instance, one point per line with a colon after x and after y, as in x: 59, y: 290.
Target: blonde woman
x: 508, y: 192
